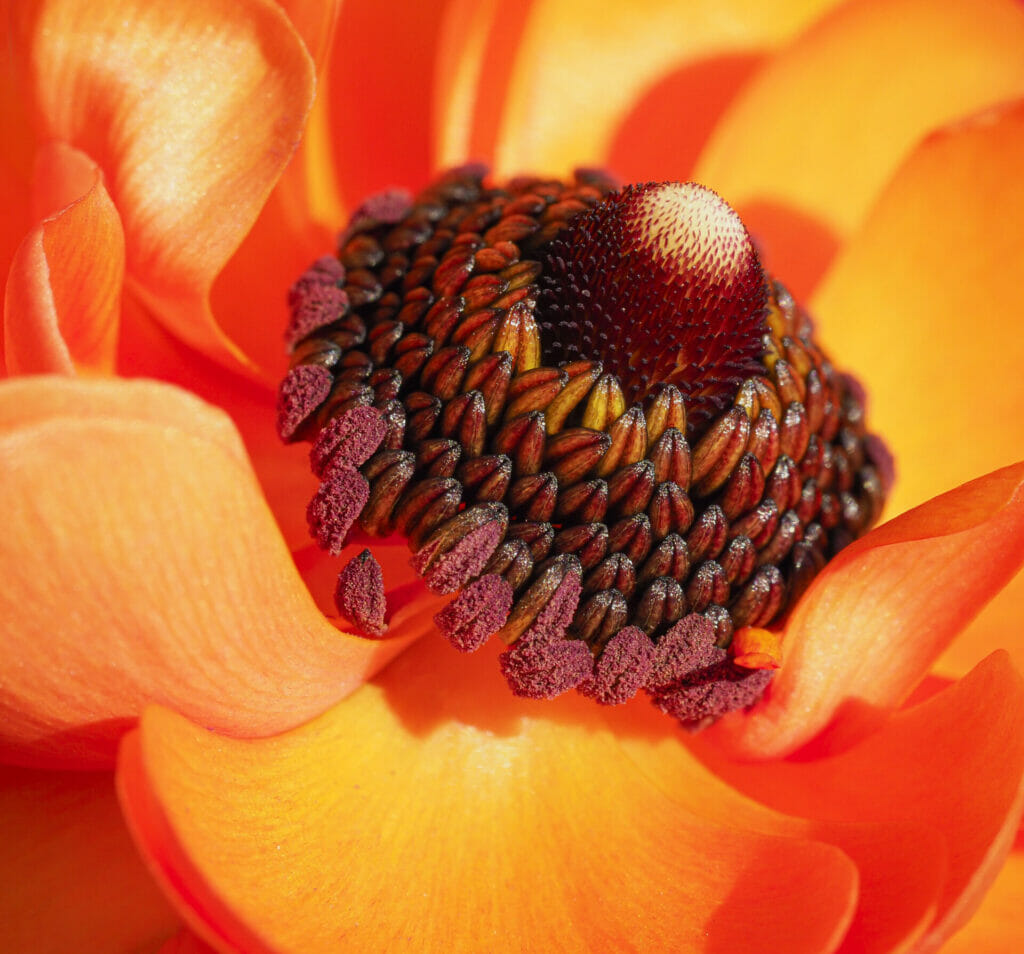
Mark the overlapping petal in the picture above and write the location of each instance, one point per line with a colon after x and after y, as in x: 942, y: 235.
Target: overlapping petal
x: 432, y: 810
x: 564, y: 101
x: 871, y: 623
x: 943, y: 250
x: 828, y: 120
x: 70, y: 877
x: 192, y: 116
x: 955, y: 764
x: 140, y: 564
x: 63, y: 296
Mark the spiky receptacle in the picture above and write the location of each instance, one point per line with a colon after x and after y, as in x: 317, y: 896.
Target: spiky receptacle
x: 560, y: 382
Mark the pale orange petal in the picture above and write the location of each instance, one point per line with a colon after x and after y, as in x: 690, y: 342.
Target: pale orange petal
x: 954, y: 763
x: 825, y: 124
x: 873, y: 621
x: 192, y: 128
x: 70, y: 877
x: 141, y: 564
x: 578, y: 71
x: 63, y: 295
x: 434, y: 811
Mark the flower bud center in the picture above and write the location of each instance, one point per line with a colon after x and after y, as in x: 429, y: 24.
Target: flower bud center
x: 659, y: 282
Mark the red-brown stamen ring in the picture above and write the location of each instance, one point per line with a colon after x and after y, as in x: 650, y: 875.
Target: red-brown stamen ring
x: 596, y: 420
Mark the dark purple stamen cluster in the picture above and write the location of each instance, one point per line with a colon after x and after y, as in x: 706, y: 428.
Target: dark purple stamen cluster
x: 597, y: 422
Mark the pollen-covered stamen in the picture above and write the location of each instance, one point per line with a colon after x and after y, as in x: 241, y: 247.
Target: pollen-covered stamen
x: 359, y: 594
x: 477, y: 613
x: 613, y: 543
x: 661, y: 284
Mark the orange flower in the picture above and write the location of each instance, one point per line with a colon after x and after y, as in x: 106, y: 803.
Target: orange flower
x: 430, y: 809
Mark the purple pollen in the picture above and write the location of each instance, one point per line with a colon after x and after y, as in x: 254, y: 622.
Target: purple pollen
x: 326, y: 270
x: 335, y: 507
x: 464, y: 560
x: 709, y: 694
x: 386, y: 208
x: 478, y: 612
x: 302, y: 391
x: 541, y: 664
x: 538, y: 667
x: 359, y: 594
x: 625, y: 665
x: 687, y: 647
x: 316, y: 305
x: 349, y: 440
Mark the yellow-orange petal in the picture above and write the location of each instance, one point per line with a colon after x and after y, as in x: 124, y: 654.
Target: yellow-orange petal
x: 874, y: 620
x: 70, y: 877
x: 141, y: 564
x: 955, y: 763
x: 938, y: 261
x: 434, y: 811
x: 996, y: 927
x: 824, y: 125
x: 577, y: 73
x: 191, y: 129
x: 63, y: 295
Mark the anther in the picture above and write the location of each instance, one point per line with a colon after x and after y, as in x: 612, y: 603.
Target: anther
x: 359, y: 594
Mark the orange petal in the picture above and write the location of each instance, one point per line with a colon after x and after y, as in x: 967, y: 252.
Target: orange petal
x: 64, y: 289
x: 435, y: 810
x: 996, y: 927
x: 70, y: 877
x: 664, y: 131
x: 141, y: 564
x: 577, y: 74
x: 825, y: 124
x: 191, y: 129
x: 939, y: 261
x: 901, y: 867
x: 873, y: 621
x: 379, y: 92
x: 955, y: 764
x: 296, y: 226
x: 147, y: 350
x: 186, y: 943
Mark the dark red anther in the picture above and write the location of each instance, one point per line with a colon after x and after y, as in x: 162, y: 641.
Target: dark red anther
x: 541, y: 664
x: 336, y: 506
x: 302, y: 391
x: 316, y: 306
x: 359, y: 594
x: 477, y: 613
x: 349, y: 440
x: 623, y: 668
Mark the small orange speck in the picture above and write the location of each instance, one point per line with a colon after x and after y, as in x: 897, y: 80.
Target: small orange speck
x: 754, y: 648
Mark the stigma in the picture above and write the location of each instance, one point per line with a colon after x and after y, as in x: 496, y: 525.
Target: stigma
x: 598, y: 422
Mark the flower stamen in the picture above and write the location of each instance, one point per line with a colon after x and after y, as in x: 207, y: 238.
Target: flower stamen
x: 595, y: 419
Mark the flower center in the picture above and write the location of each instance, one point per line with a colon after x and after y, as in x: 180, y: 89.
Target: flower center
x: 661, y: 284
x: 595, y: 420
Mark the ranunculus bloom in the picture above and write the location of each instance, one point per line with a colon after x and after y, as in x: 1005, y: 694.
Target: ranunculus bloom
x: 154, y: 557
